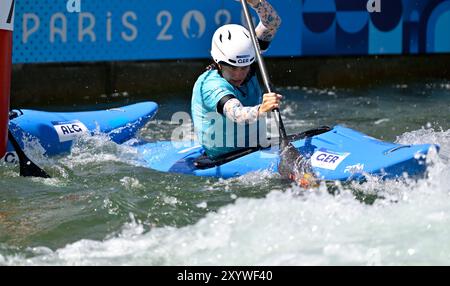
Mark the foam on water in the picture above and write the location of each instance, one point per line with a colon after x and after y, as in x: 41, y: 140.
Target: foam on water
x: 97, y: 149
x: 86, y: 149
x: 407, y: 224
x: 251, y: 220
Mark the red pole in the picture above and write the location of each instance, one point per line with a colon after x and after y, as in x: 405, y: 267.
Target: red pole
x: 5, y: 86
x: 6, y: 28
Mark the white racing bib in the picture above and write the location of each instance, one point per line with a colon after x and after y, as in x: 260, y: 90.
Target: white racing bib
x: 7, y: 15
x: 326, y: 159
x: 68, y: 131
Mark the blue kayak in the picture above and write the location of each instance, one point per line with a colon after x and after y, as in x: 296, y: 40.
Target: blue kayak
x: 337, y: 153
x: 57, y: 130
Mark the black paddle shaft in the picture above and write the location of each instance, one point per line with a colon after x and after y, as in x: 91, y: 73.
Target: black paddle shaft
x: 262, y: 67
x: 291, y: 160
x: 27, y: 167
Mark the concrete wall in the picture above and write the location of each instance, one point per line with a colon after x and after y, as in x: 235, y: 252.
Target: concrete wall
x: 84, y: 84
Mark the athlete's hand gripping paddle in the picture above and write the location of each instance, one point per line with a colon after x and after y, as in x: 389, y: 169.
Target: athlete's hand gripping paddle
x: 292, y: 165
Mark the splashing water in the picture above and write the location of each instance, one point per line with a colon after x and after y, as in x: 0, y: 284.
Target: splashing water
x: 103, y: 210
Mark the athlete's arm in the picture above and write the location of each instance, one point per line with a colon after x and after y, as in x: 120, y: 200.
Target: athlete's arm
x: 270, y: 21
x: 233, y: 109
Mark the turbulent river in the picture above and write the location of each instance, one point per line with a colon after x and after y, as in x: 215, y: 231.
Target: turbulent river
x: 101, y: 208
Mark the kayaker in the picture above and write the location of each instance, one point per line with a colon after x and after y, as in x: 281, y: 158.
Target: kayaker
x: 228, y: 105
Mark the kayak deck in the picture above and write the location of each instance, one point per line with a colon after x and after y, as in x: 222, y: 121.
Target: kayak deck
x: 57, y: 130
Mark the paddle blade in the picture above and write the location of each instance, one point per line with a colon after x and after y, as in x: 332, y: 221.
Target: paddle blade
x: 27, y: 167
x: 295, y: 167
x: 30, y: 169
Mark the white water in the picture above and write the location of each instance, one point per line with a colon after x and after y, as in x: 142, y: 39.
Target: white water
x: 410, y: 226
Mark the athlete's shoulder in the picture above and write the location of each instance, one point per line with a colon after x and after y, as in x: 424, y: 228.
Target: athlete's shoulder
x: 212, y: 80
x: 211, y: 75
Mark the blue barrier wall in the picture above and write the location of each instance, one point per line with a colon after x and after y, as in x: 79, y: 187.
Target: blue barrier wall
x: 116, y: 30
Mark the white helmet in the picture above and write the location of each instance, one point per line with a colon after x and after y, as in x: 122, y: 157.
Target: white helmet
x: 232, y: 44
